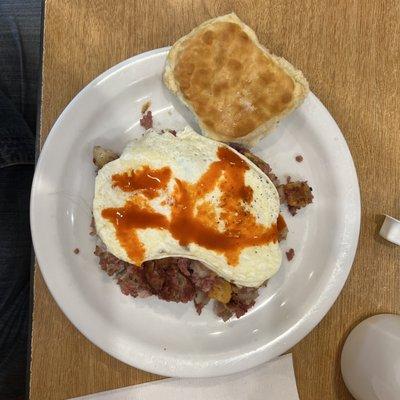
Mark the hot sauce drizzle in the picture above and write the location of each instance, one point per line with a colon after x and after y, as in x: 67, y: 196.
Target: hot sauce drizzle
x: 149, y: 181
x: 281, y: 223
x: 193, y: 219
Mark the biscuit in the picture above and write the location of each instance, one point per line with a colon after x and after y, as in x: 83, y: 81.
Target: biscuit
x: 235, y: 87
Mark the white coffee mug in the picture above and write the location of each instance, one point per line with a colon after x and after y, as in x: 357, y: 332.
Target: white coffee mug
x: 370, y: 360
x: 390, y: 229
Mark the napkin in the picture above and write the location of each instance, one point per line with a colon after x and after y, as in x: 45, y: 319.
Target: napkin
x: 270, y: 381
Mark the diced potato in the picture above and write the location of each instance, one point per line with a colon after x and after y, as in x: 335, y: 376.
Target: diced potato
x: 221, y: 291
x: 103, y: 156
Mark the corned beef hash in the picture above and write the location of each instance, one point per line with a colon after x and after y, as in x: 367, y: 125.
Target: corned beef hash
x: 186, y: 218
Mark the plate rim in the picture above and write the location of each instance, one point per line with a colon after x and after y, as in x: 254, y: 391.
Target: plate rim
x: 301, y: 329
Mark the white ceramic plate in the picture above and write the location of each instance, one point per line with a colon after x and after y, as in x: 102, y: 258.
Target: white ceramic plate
x: 169, y: 338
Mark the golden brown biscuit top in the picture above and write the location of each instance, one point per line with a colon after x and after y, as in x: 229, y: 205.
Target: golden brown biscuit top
x: 230, y: 83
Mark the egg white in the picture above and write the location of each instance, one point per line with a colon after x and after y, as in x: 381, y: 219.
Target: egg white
x: 188, y: 155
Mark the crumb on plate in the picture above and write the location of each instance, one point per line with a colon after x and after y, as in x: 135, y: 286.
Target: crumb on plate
x: 146, y: 106
x: 290, y: 254
x: 147, y: 120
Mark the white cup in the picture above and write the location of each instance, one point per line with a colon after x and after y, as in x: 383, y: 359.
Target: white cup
x: 390, y: 229
x: 371, y: 359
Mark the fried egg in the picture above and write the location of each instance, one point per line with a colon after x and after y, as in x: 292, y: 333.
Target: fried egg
x: 185, y: 195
